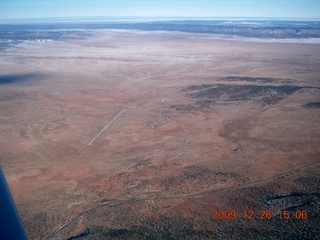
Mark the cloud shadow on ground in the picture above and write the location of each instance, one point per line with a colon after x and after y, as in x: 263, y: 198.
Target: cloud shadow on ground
x: 18, y: 78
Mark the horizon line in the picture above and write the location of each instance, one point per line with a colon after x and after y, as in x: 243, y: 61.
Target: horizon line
x: 120, y: 18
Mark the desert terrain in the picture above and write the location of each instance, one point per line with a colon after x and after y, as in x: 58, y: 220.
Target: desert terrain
x: 127, y: 134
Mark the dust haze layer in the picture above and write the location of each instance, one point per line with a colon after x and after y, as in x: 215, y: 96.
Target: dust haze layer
x: 131, y: 134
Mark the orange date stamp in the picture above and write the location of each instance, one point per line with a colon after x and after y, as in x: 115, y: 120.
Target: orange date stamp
x: 262, y: 214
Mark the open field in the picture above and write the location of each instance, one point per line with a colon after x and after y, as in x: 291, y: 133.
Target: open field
x: 123, y: 134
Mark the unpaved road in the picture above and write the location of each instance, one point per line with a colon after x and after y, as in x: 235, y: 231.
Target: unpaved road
x: 122, y: 111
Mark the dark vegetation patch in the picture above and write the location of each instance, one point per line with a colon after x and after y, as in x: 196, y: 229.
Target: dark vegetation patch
x: 244, y: 92
x: 85, y: 233
x: 175, y: 227
x: 183, y: 107
x: 137, y: 162
x: 17, y: 78
x: 197, y: 178
x: 312, y: 105
x: 285, y: 195
x: 198, y: 87
x: 141, y: 163
x: 257, y: 80
x: 178, y: 225
x: 122, y: 234
x: 294, y: 201
x: 309, y: 182
x: 209, y: 94
x: 258, y: 198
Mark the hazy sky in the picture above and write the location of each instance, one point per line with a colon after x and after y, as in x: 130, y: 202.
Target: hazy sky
x: 10, y: 9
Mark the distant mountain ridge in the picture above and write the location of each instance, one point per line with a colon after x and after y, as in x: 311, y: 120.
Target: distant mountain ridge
x: 244, y: 28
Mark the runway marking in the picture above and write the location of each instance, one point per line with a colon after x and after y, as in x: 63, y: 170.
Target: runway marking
x: 123, y: 110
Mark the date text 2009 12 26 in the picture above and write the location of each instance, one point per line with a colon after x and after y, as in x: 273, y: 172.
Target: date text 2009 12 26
x: 262, y: 214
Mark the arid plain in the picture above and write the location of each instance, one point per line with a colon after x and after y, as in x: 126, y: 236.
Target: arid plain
x: 191, y: 124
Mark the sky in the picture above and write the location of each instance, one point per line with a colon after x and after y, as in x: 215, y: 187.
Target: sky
x: 296, y: 9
